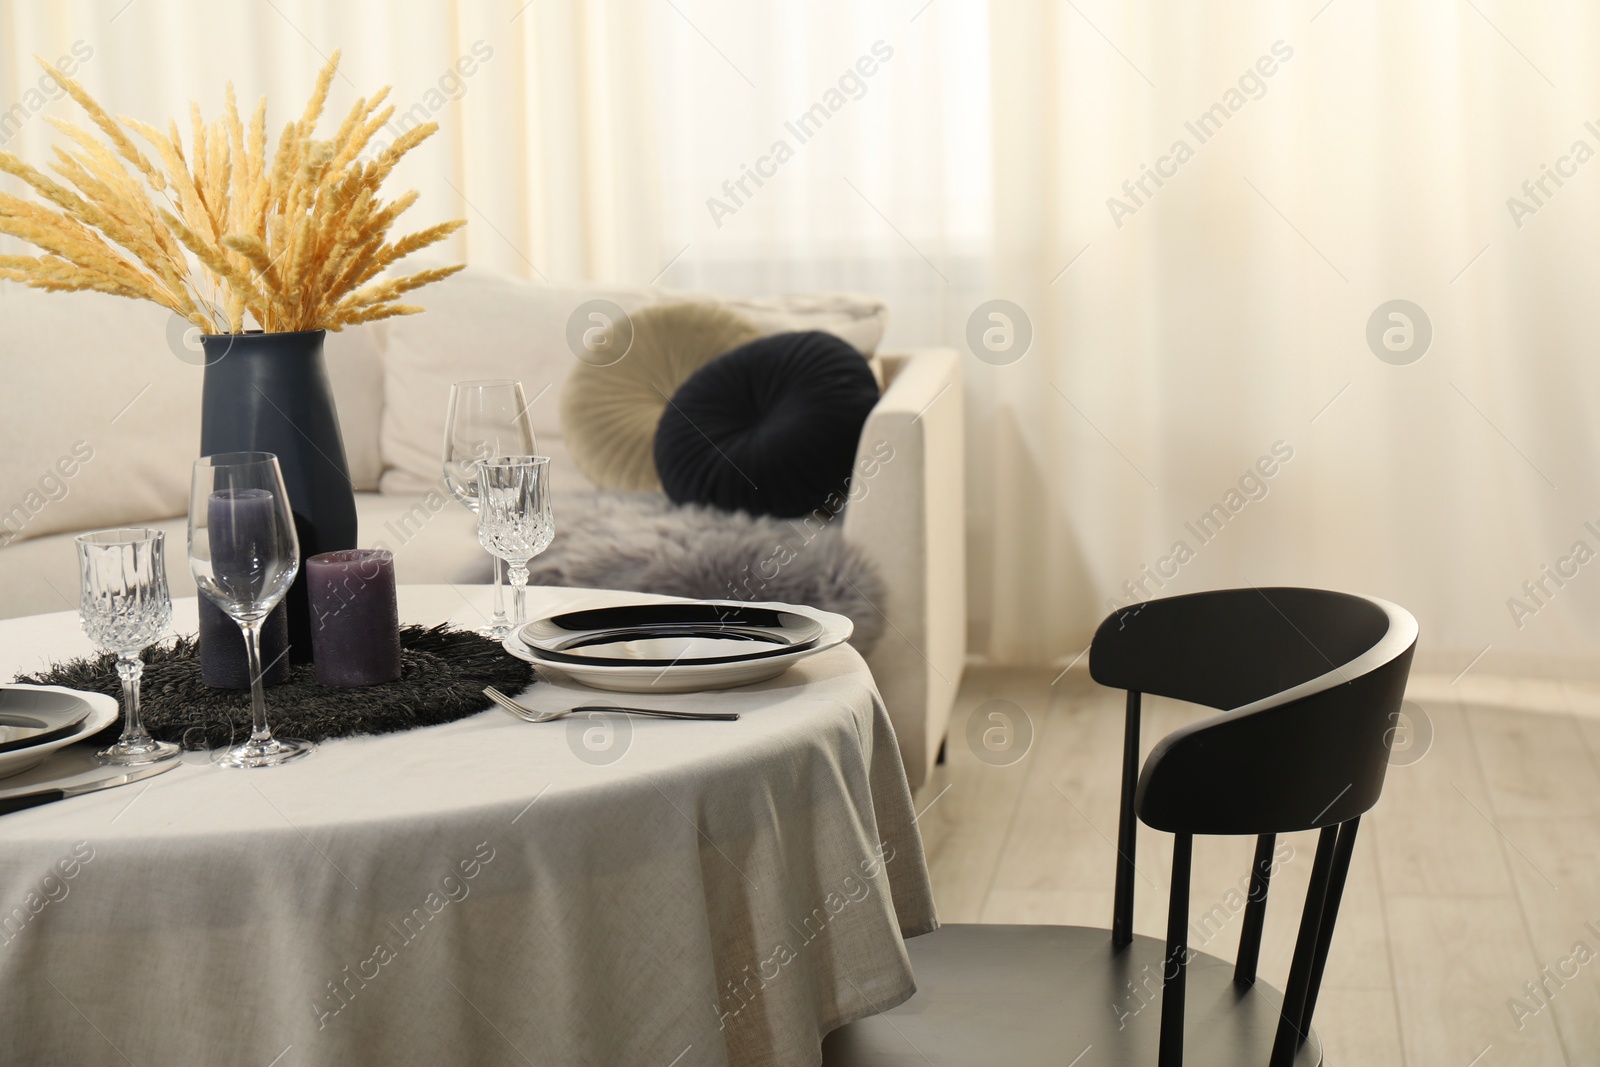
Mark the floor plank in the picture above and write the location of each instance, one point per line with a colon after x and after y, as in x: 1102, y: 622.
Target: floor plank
x: 1358, y: 1028
x: 967, y: 804
x: 1562, y: 903
x: 1435, y: 830
x: 1535, y: 766
x: 1063, y: 836
x: 1457, y: 963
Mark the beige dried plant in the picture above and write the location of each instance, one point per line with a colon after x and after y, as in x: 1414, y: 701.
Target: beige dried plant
x: 219, y: 231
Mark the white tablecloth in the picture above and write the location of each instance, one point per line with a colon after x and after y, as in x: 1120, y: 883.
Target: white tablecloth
x: 485, y: 892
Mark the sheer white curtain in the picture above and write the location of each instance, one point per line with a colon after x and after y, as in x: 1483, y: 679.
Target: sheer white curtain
x: 1205, y: 326
x: 1226, y: 310
x: 546, y: 141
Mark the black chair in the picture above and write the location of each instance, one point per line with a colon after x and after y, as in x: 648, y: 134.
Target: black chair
x: 1311, y: 682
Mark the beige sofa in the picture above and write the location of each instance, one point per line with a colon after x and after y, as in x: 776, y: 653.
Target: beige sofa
x: 101, y: 424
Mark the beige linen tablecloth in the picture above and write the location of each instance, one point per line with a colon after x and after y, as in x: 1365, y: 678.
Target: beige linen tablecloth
x: 486, y: 892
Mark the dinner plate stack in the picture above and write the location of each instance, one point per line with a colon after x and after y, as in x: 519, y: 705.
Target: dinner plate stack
x: 677, y: 646
x: 35, y: 720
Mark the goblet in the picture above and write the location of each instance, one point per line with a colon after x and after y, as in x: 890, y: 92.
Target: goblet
x: 244, y: 554
x: 125, y: 607
x: 514, y: 518
x: 485, y: 419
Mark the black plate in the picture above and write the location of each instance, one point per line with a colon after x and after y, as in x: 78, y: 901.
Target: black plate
x: 30, y: 717
x: 664, y: 635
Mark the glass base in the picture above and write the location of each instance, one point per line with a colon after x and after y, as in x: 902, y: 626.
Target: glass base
x: 137, y: 753
x: 268, y: 753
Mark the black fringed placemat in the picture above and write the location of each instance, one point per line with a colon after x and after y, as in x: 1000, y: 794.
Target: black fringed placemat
x: 442, y: 675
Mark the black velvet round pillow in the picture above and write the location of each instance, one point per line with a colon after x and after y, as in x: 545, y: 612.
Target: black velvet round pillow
x: 769, y: 428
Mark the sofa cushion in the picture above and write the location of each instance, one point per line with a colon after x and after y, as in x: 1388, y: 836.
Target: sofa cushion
x: 103, y: 422
x: 770, y: 428
x: 481, y: 324
x: 609, y: 410
x: 860, y: 320
x: 355, y: 369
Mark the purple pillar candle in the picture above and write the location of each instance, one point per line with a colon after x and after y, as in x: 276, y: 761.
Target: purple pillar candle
x: 238, y: 521
x: 355, y: 620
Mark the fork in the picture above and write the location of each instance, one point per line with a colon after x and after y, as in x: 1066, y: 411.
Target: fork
x: 527, y: 714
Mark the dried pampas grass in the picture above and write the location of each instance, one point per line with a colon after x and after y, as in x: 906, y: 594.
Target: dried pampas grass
x: 219, y: 231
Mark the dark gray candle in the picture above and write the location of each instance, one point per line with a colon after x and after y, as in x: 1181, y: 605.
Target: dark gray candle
x: 238, y: 521
x: 224, y: 663
x: 355, y: 620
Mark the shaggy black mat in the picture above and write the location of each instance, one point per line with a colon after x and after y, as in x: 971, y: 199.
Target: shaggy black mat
x: 442, y: 675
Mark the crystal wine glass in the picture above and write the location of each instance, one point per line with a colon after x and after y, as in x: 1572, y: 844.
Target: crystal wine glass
x: 244, y: 554
x: 514, y: 519
x: 486, y: 418
x: 125, y: 607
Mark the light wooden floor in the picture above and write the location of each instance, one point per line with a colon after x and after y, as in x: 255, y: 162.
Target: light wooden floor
x: 1479, y: 867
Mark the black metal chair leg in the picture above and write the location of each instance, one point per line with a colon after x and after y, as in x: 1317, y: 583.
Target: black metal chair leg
x: 1177, y: 958
x: 1330, y: 913
x: 1255, y: 912
x: 1127, y: 827
x: 1290, y: 1035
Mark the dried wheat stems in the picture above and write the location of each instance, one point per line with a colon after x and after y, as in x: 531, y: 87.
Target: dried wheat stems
x: 219, y: 231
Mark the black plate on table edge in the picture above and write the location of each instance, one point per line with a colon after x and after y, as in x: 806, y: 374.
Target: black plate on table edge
x: 784, y: 631
x: 31, y: 717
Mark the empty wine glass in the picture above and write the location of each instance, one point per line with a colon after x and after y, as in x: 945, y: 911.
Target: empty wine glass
x: 514, y: 519
x: 125, y: 607
x: 244, y: 554
x: 486, y: 419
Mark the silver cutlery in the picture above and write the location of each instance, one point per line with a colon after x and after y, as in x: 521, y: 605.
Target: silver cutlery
x: 20, y: 801
x: 528, y: 714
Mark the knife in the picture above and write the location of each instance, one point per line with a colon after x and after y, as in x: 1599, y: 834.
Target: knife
x: 21, y: 801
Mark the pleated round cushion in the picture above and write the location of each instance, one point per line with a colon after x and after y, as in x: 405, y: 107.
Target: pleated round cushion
x: 770, y: 428
x: 609, y: 413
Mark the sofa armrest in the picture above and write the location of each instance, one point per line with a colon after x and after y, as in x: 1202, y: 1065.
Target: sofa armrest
x: 907, y: 513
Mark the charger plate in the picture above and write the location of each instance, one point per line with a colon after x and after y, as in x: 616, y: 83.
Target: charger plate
x: 30, y: 716
x: 99, y: 712
x: 691, y: 672
x: 671, y: 634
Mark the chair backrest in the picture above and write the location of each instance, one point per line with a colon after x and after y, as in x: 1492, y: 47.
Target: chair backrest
x: 1310, y: 681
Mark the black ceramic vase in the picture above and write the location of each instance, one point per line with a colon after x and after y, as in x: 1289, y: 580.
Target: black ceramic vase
x: 269, y: 392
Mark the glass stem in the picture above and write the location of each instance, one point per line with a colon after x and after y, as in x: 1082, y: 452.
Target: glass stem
x: 129, y: 669
x: 499, y: 621
x: 519, y: 585
x: 258, y: 698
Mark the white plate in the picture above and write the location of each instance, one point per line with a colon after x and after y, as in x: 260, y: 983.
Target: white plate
x: 103, y: 711
x: 690, y: 677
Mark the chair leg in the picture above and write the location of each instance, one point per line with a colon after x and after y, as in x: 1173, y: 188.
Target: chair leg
x: 1255, y: 912
x: 1177, y: 958
x: 1290, y: 1035
x: 1330, y: 912
x: 1127, y: 827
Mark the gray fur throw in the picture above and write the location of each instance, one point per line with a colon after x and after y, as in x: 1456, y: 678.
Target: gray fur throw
x: 644, y: 542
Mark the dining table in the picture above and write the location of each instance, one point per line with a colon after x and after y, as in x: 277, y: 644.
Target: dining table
x: 631, y: 891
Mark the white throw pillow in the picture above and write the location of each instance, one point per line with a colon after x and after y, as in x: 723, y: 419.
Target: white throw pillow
x: 485, y: 325
x: 609, y: 413
x: 102, y: 421
x: 102, y: 426
x: 354, y: 357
